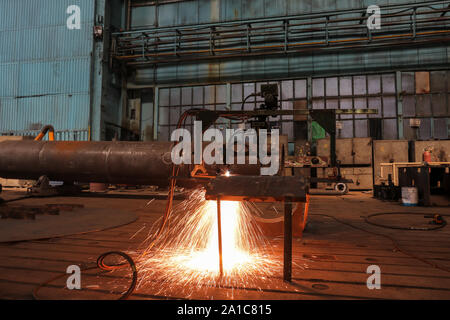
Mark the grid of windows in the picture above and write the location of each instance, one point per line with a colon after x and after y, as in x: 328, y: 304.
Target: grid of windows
x: 176, y: 100
x: 375, y: 91
x: 359, y: 92
x: 426, y: 96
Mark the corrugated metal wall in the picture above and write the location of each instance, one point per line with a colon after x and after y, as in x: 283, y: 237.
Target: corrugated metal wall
x: 45, y: 68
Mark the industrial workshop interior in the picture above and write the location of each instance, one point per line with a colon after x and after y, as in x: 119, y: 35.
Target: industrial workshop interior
x: 189, y: 151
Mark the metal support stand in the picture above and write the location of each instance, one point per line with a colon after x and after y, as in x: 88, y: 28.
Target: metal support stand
x: 219, y: 227
x: 288, y: 190
x: 287, y: 264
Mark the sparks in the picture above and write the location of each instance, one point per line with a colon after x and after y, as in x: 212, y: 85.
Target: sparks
x: 187, y: 256
x: 234, y: 256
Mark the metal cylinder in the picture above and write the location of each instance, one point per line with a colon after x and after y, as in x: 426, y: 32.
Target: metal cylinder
x: 103, y: 162
x: 139, y: 163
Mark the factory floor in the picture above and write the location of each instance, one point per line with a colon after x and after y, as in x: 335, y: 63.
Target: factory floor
x: 336, y: 253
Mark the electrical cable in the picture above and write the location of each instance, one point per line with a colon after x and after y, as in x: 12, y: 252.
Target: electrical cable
x: 394, y: 242
x: 438, y: 226
x: 103, y: 266
x: 246, y: 98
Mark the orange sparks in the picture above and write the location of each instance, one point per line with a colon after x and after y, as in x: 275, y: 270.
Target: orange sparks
x: 234, y: 256
x: 187, y: 254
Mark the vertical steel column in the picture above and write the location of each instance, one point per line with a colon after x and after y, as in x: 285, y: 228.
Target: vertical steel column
x: 128, y: 15
x: 287, y: 264
x: 286, y: 35
x: 248, y: 38
x: 309, y: 105
x: 432, y: 128
x: 399, y: 97
x: 229, y: 101
x: 448, y: 126
x: 333, y: 141
x: 219, y: 230
x: 98, y: 69
x: 228, y: 95
x: 156, y: 113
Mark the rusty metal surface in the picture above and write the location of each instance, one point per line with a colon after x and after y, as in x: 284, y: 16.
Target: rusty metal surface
x: 108, y: 162
x: 257, y: 188
x: 422, y: 82
x: 139, y: 163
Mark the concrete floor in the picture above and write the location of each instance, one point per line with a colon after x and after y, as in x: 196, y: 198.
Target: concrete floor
x: 337, y: 255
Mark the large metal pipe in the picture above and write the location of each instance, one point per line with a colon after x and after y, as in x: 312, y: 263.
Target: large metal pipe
x: 144, y: 163
x: 108, y: 162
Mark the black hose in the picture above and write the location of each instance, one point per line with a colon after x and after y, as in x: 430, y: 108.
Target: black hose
x: 246, y: 98
x: 437, y: 226
x: 100, y: 265
x: 394, y: 242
